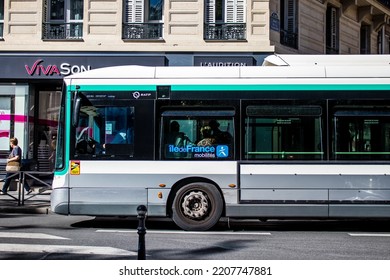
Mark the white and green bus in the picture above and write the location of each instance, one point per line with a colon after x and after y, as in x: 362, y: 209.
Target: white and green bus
x: 310, y: 139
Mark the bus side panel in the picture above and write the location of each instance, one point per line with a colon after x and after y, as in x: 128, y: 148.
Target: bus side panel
x: 102, y: 200
x: 59, y: 198
x: 368, y: 201
x: 121, y: 188
x: 106, y: 188
x: 313, y: 190
x: 275, y: 191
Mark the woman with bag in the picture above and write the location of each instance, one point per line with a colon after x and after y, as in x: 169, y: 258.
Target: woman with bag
x: 13, y: 165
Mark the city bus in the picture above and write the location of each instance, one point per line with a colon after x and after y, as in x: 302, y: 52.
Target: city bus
x: 307, y: 139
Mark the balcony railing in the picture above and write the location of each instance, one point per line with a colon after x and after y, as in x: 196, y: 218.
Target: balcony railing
x: 225, y: 31
x: 289, y: 39
x: 142, y: 31
x: 61, y: 31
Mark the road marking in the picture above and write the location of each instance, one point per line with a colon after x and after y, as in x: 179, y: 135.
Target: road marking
x: 187, y: 232
x: 64, y: 249
x: 370, y: 234
x: 7, y: 234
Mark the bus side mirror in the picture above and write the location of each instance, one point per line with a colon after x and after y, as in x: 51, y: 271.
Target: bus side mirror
x: 76, y: 109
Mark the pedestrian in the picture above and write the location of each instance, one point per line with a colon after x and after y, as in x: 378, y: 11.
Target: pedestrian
x: 14, y: 156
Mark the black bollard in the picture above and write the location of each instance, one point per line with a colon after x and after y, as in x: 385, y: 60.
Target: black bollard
x: 141, y: 210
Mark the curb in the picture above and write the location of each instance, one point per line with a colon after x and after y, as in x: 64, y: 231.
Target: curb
x: 45, y: 209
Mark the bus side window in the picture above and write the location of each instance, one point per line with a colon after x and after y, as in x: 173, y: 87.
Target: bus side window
x: 278, y: 132
x: 362, y: 134
x: 184, y: 137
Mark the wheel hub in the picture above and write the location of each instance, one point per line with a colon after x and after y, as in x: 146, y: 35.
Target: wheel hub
x: 195, y: 205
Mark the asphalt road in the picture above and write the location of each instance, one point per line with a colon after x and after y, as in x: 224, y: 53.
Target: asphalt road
x: 54, y: 237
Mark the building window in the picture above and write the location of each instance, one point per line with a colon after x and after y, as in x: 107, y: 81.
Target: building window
x: 1, y: 18
x: 383, y: 41
x: 289, y: 25
x: 63, y: 19
x: 332, y: 30
x: 43, y: 130
x: 143, y: 19
x: 365, y: 42
x: 13, y: 109
x: 225, y: 20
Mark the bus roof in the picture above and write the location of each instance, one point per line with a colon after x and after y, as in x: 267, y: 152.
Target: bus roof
x: 326, y: 60
x: 295, y: 66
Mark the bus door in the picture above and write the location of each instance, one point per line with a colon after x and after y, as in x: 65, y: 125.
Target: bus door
x: 282, y: 142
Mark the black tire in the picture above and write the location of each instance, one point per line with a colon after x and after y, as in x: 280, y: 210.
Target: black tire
x: 197, y: 207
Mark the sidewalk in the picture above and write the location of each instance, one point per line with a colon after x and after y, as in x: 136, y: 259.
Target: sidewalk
x: 38, y: 202
x: 33, y: 204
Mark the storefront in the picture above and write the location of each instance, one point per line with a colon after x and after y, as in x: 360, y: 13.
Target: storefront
x: 30, y: 91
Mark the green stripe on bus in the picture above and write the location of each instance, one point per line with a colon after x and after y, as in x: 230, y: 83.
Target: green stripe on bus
x: 306, y: 87
x: 235, y: 87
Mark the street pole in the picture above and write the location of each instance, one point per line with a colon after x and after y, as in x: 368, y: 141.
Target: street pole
x: 141, y: 210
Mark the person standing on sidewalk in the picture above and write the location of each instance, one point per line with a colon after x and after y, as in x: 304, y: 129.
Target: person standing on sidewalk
x: 15, y: 155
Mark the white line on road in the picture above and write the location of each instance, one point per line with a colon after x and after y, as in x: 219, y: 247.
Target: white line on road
x: 370, y: 234
x: 64, y: 249
x: 187, y: 232
x: 6, y: 234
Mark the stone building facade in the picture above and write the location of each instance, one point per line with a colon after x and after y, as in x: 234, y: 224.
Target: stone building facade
x: 41, y: 41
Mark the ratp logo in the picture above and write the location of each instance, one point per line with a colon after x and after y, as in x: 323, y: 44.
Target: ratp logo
x: 222, y: 151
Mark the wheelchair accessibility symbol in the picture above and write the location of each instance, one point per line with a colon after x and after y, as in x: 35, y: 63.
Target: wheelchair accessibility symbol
x: 222, y: 151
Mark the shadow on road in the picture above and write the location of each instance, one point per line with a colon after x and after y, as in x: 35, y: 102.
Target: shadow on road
x: 361, y: 225
x: 124, y: 223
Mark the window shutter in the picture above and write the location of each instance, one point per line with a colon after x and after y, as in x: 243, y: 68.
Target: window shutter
x: 1, y: 12
x: 134, y: 11
x: 229, y: 11
x: 290, y: 23
x: 210, y: 11
x: 235, y: 11
x: 333, y: 28
x: 45, y: 11
x: 241, y: 11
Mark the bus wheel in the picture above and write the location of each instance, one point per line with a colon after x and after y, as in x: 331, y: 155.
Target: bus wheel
x: 197, y: 206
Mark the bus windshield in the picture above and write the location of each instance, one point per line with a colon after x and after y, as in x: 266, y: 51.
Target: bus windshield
x: 60, y: 147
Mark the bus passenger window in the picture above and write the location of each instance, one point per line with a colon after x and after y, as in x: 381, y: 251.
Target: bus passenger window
x: 361, y: 134
x: 283, y: 132
x: 197, y: 135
